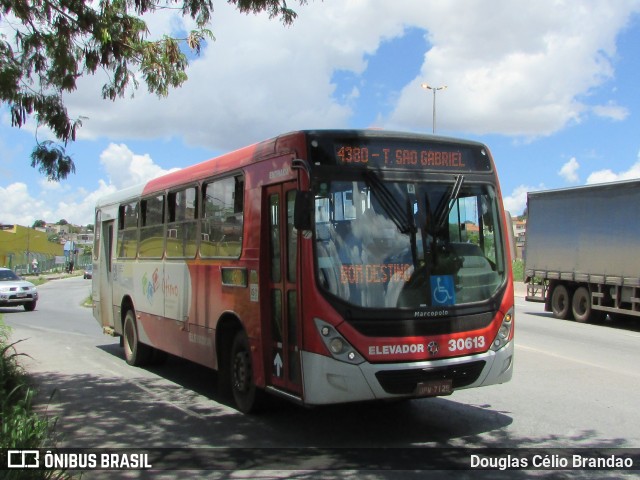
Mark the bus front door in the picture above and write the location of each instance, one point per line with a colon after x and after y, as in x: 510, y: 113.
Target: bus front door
x: 106, y: 274
x: 282, y: 327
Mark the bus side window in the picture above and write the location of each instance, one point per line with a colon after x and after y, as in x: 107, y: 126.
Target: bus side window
x: 222, y: 217
x: 182, y: 214
x: 152, y: 227
x: 128, y: 230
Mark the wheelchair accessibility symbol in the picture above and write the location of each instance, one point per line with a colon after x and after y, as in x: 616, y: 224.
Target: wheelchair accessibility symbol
x: 442, y: 290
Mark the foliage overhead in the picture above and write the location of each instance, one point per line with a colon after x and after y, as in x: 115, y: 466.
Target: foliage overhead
x: 47, y: 45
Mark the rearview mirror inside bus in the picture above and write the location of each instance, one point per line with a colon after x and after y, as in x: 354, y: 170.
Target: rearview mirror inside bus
x: 302, y: 211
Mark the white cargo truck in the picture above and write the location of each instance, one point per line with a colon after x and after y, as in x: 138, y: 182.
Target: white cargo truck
x: 582, y: 250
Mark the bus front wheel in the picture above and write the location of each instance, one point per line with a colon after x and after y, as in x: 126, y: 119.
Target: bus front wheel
x: 245, y: 394
x: 136, y: 353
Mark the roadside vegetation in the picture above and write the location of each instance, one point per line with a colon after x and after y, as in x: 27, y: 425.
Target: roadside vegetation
x: 21, y: 426
x: 518, y: 270
x: 37, y: 280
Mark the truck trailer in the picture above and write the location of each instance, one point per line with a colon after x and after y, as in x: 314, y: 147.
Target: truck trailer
x: 582, y: 250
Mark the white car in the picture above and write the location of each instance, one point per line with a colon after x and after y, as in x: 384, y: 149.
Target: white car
x: 14, y: 291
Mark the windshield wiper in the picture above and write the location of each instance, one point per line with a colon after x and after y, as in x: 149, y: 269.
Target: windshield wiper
x: 391, y: 206
x: 445, y: 207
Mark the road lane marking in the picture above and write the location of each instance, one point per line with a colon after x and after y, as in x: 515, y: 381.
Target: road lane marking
x: 52, y: 330
x: 575, y: 360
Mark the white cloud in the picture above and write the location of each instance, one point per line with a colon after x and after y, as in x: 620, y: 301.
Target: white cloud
x: 17, y: 206
x: 569, y: 170
x: 79, y: 208
x: 602, y: 176
x: 524, y: 69
x: 607, y: 175
x: 256, y: 80
x: 517, y: 201
x: 512, y: 67
x: 126, y: 168
x: 611, y: 111
x: 59, y: 201
x: 515, y: 67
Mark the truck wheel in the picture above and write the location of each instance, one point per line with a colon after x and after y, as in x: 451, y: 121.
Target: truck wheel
x: 581, y: 305
x: 561, y: 302
x: 136, y: 353
x: 245, y: 394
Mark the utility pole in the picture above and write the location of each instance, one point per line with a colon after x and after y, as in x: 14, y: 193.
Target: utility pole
x: 426, y: 86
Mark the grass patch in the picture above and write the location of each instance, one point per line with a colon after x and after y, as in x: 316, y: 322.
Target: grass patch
x: 88, y: 302
x: 36, y: 280
x: 518, y: 270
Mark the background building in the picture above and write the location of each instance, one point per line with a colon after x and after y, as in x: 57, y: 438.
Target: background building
x: 519, y: 232
x: 20, y: 246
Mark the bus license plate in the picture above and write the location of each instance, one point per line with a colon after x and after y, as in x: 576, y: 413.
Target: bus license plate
x: 434, y: 387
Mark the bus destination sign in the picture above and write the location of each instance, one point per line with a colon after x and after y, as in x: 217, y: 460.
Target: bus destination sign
x: 434, y: 157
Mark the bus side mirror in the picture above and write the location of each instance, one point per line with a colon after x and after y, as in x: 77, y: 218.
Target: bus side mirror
x: 302, y: 210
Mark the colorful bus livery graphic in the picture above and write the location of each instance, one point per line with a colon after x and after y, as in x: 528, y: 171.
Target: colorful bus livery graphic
x: 321, y: 266
x: 151, y: 284
x: 149, y: 287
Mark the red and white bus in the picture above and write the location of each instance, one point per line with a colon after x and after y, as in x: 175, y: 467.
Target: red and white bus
x: 323, y: 266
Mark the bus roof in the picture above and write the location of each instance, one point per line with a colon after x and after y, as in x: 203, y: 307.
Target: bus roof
x: 288, y: 142
x: 120, y: 195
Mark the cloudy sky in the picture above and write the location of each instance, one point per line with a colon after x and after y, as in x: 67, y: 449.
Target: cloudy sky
x: 551, y: 86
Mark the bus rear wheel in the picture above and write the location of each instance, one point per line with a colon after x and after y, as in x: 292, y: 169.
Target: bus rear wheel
x: 561, y: 302
x: 245, y: 394
x: 136, y: 353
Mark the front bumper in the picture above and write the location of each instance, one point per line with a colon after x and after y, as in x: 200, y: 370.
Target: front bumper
x: 14, y: 299
x: 328, y: 381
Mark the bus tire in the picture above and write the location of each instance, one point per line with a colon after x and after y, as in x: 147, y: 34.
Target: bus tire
x: 135, y: 353
x: 581, y: 305
x: 245, y: 393
x: 561, y: 302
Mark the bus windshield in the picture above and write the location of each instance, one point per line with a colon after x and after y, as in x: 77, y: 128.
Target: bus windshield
x: 382, y: 244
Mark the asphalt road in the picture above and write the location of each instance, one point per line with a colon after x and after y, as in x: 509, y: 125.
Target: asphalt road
x: 574, y: 385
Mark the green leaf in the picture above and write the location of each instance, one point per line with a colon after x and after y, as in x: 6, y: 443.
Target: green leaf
x: 52, y: 160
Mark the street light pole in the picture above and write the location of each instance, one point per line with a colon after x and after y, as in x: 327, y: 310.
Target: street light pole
x: 426, y: 86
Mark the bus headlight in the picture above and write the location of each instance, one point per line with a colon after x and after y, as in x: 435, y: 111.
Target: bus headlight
x: 504, y: 333
x: 339, y: 348
x: 336, y: 345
